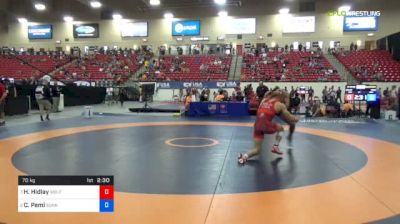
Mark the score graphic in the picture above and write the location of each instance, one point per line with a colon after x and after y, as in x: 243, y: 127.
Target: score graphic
x: 361, y: 93
x: 65, y: 194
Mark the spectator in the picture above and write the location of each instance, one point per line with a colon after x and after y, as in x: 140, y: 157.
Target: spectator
x: 339, y: 95
x: 393, y: 92
x: 3, y: 95
x: 220, y: 97
x: 292, y: 92
x: 325, y: 94
x: 295, y: 104
x: 239, y: 96
x: 386, y: 92
x: 261, y: 90
x: 122, y: 95
x: 204, y: 95
x: 188, y: 100
x: 310, y: 94
x: 351, y: 46
x: 316, y: 107
x: 347, y: 108
x: 56, y: 91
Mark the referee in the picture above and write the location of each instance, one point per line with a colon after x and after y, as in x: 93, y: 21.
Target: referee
x: 44, y: 98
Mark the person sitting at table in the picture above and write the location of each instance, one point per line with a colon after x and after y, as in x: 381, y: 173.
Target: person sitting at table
x: 188, y: 100
x: 239, y: 96
x: 233, y: 97
x: 204, y: 95
x: 347, y: 108
x: 220, y: 97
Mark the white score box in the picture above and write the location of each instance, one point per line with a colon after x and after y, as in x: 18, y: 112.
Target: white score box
x: 59, y: 192
x: 59, y: 205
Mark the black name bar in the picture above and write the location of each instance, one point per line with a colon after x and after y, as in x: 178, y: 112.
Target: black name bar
x: 66, y: 180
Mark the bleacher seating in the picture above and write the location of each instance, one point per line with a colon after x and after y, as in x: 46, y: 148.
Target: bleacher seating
x: 189, y: 68
x: 44, y: 63
x: 270, y: 70
x: 375, y: 61
x: 101, y: 67
x: 14, y: 68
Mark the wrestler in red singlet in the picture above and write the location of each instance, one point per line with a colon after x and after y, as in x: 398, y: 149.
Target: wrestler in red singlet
x: 274, y: 104
x: 265, y: 114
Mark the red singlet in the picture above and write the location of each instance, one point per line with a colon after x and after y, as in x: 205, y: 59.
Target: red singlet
x: 264, y: 125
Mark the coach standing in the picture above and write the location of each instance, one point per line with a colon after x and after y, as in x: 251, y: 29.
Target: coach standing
x: 3, y: 95
x: 261, y: 90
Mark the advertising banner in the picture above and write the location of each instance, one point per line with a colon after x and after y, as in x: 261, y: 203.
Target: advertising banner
x: 353, y: 23
x: 86, y: 30
x: 40, y: 32
x: 186, y: 28
x: 198, y: 85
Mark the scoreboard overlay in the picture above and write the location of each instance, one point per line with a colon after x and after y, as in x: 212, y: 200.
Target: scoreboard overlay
x: 66, y: 194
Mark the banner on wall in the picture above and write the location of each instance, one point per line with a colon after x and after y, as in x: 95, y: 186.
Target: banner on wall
x: 86, y: 30
x: 241, y: 26
x: 302, y: 24
x: 198, y: 85
x: 38, y: 32
x: 186, y: 28
x: 354, y: 23
x: 138, y: 29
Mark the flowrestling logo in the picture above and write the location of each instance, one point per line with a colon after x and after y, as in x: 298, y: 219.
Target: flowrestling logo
x: 354, y: 13
x: 186, y: 28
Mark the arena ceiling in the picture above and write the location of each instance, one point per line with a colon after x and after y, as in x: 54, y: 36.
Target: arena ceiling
x: 141, y: 9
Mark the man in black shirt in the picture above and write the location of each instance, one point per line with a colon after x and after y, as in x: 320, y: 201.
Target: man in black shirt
x: 261, y: 90
x: 339, y: 95
x: 56, y: 91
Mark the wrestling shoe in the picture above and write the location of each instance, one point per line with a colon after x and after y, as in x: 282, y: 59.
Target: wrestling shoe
x: 276, y: 150
x: 242, y: 159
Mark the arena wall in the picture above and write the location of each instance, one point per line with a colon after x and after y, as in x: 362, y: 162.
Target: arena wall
x: 328, y: 28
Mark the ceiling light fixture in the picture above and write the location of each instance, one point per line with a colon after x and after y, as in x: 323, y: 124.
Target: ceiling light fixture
x: 117, y: 16
x: 22, y: 20
x: 284, y: 11
x: 168, y: 15
x: 40, y: 6
x: 223, y: 14
x: 220, y: 2
x: 68, y: 19
x: 155, y: 2
x: 95, y: 4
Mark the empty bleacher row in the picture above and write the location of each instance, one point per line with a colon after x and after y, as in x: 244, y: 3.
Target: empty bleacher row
x: 193, y: 68
x: 375, y: 65
x: 289, y: 67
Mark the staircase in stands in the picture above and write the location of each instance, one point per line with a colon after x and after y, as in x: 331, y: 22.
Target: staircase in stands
x: 342, y: 70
